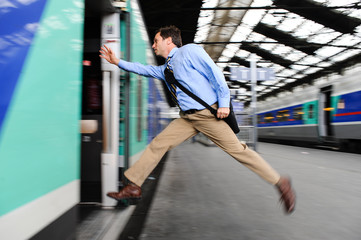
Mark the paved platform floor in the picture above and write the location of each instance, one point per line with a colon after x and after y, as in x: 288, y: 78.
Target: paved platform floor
x: 204, y: 194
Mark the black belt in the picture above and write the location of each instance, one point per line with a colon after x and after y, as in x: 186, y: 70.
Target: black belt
x: 191, y: 111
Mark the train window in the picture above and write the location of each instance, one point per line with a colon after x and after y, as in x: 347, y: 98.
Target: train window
x: 310, y: 111
x: 260, y: 118
x: 297, y: 113
x: 282, y: 116
x: 341, y: 103
x: 268, y: 118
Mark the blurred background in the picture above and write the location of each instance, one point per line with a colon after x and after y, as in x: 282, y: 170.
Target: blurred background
x: 71, y: 124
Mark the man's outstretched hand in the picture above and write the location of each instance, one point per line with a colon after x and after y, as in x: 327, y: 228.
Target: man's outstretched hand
x: 109, y: 55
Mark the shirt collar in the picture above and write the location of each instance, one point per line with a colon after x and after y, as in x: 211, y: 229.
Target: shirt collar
x: 172, y: 52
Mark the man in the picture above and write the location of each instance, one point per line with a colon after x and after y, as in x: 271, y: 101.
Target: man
x: 195, y: 70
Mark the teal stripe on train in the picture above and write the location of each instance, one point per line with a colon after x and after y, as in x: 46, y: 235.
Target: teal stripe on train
x: 40, y: 139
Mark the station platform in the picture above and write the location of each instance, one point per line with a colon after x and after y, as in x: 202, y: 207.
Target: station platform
x: 203, y: 193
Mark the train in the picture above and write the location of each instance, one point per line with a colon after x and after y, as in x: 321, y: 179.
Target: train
x: 326, y: 113
x: 69, y: 123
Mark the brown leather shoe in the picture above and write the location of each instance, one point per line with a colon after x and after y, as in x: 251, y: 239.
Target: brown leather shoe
x: 130, y: 191
x: 288, y: 196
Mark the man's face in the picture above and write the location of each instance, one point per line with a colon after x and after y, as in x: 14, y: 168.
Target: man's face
x: 160, y: 45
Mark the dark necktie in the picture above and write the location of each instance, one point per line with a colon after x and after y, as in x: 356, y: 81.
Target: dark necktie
x: 173, y: 89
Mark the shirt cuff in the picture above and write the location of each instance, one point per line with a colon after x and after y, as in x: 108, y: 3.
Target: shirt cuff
x: 223, y: 102
x: 120, y: 63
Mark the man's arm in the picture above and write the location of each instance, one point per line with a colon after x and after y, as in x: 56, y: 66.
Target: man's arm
x: 138, y: 68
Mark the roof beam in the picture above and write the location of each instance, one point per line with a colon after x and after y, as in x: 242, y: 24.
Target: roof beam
x: 266, y: 55
x: 353, y: 6
x: 240, y: 61
x: 310, y: 78
x: 320, y: 14
x: 285, y: 38
x: 288, y: 43
x: 219, y: 31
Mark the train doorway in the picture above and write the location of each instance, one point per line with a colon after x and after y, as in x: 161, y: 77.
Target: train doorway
x: 324, y: 114
x: 100, y: 105
x: 92, y: 107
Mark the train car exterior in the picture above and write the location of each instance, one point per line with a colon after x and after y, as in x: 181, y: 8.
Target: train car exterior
x: 40, y: 99
x: 327, y: 112
x: 45, y: 86
x: 346, y: 118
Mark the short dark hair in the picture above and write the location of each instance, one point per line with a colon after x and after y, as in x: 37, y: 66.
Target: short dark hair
x: 173, y: 32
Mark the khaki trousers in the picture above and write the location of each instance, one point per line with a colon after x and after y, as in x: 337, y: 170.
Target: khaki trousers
x: 188, y: 126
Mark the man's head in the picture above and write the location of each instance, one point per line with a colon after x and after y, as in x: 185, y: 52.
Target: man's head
x: 166, y: 39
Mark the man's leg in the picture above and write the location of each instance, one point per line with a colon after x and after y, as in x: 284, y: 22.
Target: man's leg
x: 222, y: 135
x: 175, y: 133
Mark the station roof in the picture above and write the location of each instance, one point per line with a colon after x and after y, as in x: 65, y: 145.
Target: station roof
x: 301, y: 40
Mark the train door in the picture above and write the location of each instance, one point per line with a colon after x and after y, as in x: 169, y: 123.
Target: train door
x: 100, y: 105
x: 324, y: 116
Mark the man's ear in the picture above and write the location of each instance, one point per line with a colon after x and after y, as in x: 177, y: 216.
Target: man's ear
x: 169, y: 40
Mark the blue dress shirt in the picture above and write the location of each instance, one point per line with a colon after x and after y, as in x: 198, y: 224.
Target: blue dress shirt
x: 195, y: 70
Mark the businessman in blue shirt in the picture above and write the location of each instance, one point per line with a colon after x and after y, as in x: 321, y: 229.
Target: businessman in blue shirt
x: 196, y: 71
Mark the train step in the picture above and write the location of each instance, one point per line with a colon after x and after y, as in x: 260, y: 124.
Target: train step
x: 329, y: 143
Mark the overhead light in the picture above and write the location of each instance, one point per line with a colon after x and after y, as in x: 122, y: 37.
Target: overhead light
x: 290, y: 80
